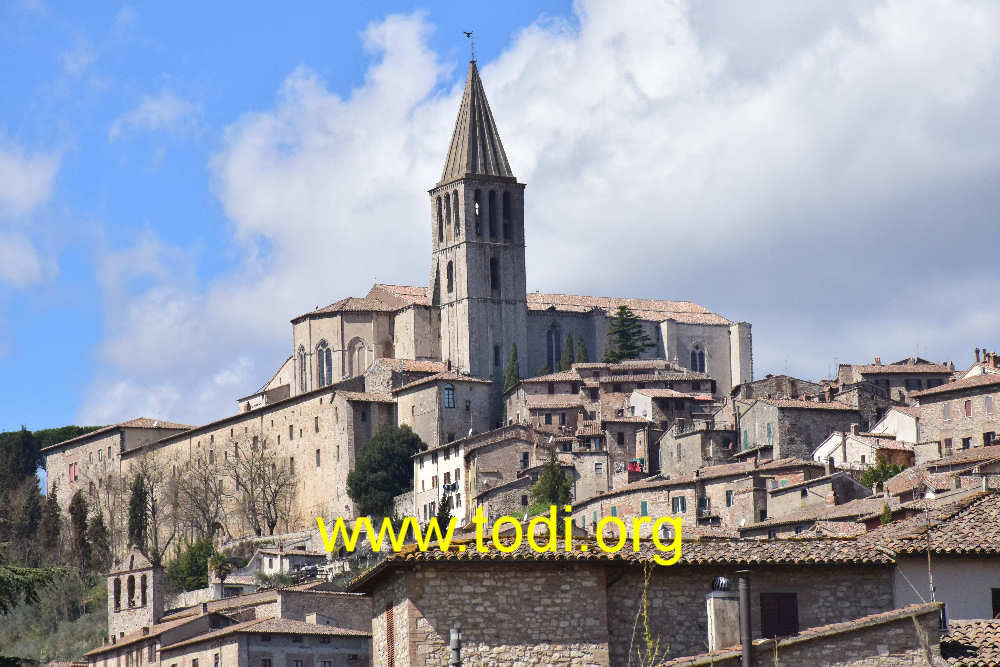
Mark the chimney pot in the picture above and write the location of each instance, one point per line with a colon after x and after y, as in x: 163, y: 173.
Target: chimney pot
x: 829, y: 465
x: 977, y: 355
x: 145, y: 630
x: 204, y: 608
x: 986, y: 483
x: 878, y: 361
x: 854, y: 429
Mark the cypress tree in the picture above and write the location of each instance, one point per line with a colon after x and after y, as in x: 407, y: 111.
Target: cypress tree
x: 581, y: 351
x: 552, y: 488
x: 100, y: 549
x: 25, y: 523
x: 626, y: 339
x: 48, y: 526
x: 513, y: 373
x: 443, y: 515
x: 567, y: 359
x: 78, y: 522
x: 138, y: 522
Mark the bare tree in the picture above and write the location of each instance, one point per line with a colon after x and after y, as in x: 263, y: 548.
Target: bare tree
x: 109, y: 495
x: 162, y: 504
x: 263, y: 485
x: 200, y: 493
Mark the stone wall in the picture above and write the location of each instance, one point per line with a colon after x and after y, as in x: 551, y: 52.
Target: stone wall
x: 934, y: 426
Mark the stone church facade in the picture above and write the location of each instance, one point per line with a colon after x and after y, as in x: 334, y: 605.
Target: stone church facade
x: 429, y: 356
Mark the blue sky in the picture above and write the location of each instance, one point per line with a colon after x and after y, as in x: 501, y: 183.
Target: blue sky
x: 178, y: 181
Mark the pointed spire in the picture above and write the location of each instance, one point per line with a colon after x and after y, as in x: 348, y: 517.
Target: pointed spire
x: 475, y: 143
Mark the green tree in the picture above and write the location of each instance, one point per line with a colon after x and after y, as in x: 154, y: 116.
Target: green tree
x: 568, y: 355
x: 512, y: 375
x: 189, y: 571
x: 78, y: 524
x: 553, y: 488
x: 383, y: 469
x: 21, y: 584
x: 220, y: 565
x: 626, y: 339
x: 138, y: 519
x: 582, y: 356
x: 544, y: 370
x: 100, y: 549
x: 877, y: 474
x: 443, y: 515
x: 49, y: 526
x: 21, y: 457
x: 886, y: 514
x: 25, y: 522
x: 50, y: 436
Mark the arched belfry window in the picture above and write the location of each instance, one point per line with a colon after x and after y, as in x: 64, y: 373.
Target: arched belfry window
x: 449, y: 275
x: 436, y: 292
x: 118, y: 593
x: 476, y: 211
x: 130, y: 590
x: 698, y: 359
x: 447, y: 213
x: 302, y: 369
x: 142, y: 591
x: 324, y: 364
x: 493, y: 213
x: 506, y: 215
x: 458, y: 221
x: 553, y: 346
x: 440, y: 219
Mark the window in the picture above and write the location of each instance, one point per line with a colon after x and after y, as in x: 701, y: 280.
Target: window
x: 364, y: 414
x: 291, y: 465
x: 803, y: 493
x: 644, y: 508
x: 506, y: 215
x: 770, y: 437
x: 729, y: 498
x: 265, y: 662
x: 678, y: 504
x: 316, y: 424
x: 524, y: 500
x: 194, y: 662
x: 598, y: 467
x: 680, y: 451
x: 988, y: 438
x: 468, y: 406
x: 946, y: 411
x: 621, y: 437
x: 562, y: 418
x: 215, y: 660
x: 302, y: 369
x: 324, y: 364
x: 496, y: 356
x: 996, y: 601
x: 494, y: 273
x: 492, y: 213
x: 458, y: 474
x: 297, y: 638
x: 614, y: 510
x: 524, y: 459
x: 779, y: 614
x: 450, y: 438
x: 616, y: 388
x: 475, y: 212
x: 99, y: 454
x: 291, y: 432
x: 947, y: 447
x: 698, y: 359
x: 449, y: 277
x: 862, y: 459
x: 449, y: 396
x: 548, y: 417
x: 317, y: 458
x: 551, y: 387
x: 266, y: 638
x: 966, y: 443
x: 987, y: 408
x: 440, y: 217
x: 454, y: 206
x: 325, y: 663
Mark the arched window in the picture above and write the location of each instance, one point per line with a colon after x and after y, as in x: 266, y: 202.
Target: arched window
x: 494, y: 273
x: 356, y: 358
x: 458, y: 221
x: 493, y: 213
x: 118, y: 593
x: 436, y: 292
x: 449, y: 274
x: 142, y: 591
x: 324, y: 364
x: 506, y: 215
x: 440, y: 218
x: 302, y: 369
x: 447, y: 213
x: 130, y: 590
x: 476, y: 208
x: 449, y: 396
x: 698, y: 359
x: 553, y: 346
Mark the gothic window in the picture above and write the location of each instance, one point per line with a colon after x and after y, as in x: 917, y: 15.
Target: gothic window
x: 356, y: 361
x: 440, y: 218
x: 450, y: 277
x: 494, y: 273
x: 698, y: 359
x: 130, y: 590
x: 506, y: 215
x: 553, y: 343
x: 324, y: 364
x: 436, y: 293
x: 118, y: 594
x: 447, y: 212
x: 458, y: 221
x: 493, y: 213
x: 302, y: 368
x: 449, y: 396
x: 475, y: 211
x: 142, y: 591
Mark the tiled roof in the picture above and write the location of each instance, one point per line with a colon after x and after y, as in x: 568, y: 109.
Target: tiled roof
x: 413, y: 365
x: 971, y: 455
x: 561, y: 376
x: 672, y: 393
x: 651, y: 310
x: 273, y: 625
x: 912, y: 410
x: 367, y: 397
x: 807, y: 405
x: 625, y: 420
x: 542, y: 401
x: 450, y: 376
x: 139, y: 422
x: 589, y: 428
x: 822, y: 512
x: 988, y: 380
x: 659, y: 376
x: 408, y: 295
x: 702, y: 551
x: 154, y: 631
x: 972, y: 643
x: 873, y: 369
x: 970, y: 527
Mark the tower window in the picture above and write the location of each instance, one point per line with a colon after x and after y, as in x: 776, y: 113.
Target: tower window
x: 698, y: 359
x: 506, y: 215
x: 440, y: 218
x: 449, y: 396
x: 450, y: 277
x: 454, y: 206
x: 302, y: 369
x: 494, y: 273
x: 553, y: 341
x: 324, y: 364
x: 496, y: 356
x: 447, y: 212
x: 493, y: 213
x: 475, y: 212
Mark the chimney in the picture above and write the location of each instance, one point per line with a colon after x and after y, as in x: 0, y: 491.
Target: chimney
x: 829, y: 465
x: 854, y: 429
x: 956, y: 482
x: 878, y: 361
x: 723, y: 605
x: 204, y: 608
x: 977, y: 355
x: 145, y: 630
x: 986, y: 483
x: 746, y: 634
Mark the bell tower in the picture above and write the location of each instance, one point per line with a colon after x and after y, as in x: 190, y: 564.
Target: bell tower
x: 477, y: 240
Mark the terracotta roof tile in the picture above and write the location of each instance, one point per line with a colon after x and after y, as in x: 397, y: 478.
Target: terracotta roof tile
x: 652, y: 310
x: 543, y: 401
x: 972, y: 643
x: 988, y: 380
x: 139, y: 422
x: 971, y: 455
x: 413, y: 365
x: 969, y: 527
x: 367, y: 397
x: 561, y: 376
x: 787, y: 403
x: 450, y: 376
x: 874, y: 369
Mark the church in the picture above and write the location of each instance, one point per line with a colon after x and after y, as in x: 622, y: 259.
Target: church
x: 475, y: 306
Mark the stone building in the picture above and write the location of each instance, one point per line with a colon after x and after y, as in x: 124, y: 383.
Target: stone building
x: 855, y: 450
x: 898, y: 379
x: 961, y: 414
x: 791, y: 427
x: 573, y: 608
x: 777, y: 386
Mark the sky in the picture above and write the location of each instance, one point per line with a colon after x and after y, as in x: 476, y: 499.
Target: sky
x: 179, y: 180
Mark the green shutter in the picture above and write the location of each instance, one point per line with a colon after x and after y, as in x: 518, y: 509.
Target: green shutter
x: 746, y: 439
x: 769, y: 433
x: 645, y: 509
x: 614, y: 510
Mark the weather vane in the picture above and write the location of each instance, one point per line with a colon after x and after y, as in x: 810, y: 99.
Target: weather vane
x: 473, y: 40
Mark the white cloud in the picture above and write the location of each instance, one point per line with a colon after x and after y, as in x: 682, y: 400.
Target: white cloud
x: 19, y: 263
x: 164, y: 112
x: 77, y: 59
x: 834, y: 189
x: 25, y: 181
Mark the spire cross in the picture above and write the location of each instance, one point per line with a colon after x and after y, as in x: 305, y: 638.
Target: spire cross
x: 472, y: 43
